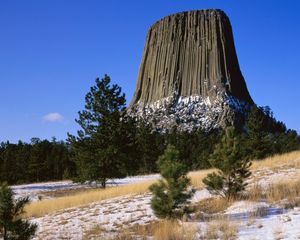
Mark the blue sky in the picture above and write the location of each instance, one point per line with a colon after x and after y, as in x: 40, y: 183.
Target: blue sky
x: 51, y: 51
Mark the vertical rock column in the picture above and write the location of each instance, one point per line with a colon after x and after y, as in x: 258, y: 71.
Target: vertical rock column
x: 190, y: 53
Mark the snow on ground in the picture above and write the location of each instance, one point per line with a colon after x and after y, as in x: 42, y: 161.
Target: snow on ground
x: 275, y: 225
x: 122, y: 212
x: 245, y: 207
x: 113, y: 214
x: 200, y: 195
x: 36, y: 190
x: 255, y: 220
x: 265, y: 177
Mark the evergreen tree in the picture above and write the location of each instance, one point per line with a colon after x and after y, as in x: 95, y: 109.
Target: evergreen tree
x: 147, y: 150
x: 12, y: 227
x: 171, y: 195
x: 267, y: 136
x: 40, y: 160
x: 98, y: 151
x: 258, y: 130
x: 233, y: 168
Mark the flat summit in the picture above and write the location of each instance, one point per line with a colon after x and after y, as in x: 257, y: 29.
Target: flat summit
x: 189, y: 75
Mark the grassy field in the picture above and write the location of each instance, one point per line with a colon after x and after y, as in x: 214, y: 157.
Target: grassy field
x: 287, y: 160
x: 41, y: 208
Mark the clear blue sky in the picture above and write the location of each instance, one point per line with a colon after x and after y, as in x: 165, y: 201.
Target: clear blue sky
x: 51, y: 51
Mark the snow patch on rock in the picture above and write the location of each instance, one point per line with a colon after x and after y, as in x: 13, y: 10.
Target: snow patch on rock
x: 188, y: 113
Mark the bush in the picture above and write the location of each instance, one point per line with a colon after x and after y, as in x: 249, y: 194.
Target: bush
x: 233, y: 168
x: 171, y: 195
x: 12, y: 227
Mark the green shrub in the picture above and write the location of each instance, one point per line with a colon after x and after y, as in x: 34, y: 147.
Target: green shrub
x: 171, y: 194
x: 233, y: 168
x: 12, y: 227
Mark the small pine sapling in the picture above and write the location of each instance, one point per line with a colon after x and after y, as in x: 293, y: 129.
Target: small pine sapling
x: 233, y: 168
x: 171, y: 195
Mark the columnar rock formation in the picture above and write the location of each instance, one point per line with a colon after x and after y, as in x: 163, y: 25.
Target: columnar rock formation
x: 189, y: 74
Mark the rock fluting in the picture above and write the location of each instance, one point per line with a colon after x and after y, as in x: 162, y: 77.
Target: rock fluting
x: 189, y: 74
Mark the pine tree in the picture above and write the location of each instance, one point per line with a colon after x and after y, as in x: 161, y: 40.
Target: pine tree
x: 97, y: 150
x: 233, y: 168
x: 12, y: 227
x: 258, y: 128
x: 171, y: 195
x: 146, y: 149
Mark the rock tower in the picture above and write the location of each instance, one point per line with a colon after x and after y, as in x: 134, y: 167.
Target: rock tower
x: 189, y: 75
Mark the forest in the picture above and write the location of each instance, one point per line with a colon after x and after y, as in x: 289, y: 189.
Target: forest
x: 111, y: 144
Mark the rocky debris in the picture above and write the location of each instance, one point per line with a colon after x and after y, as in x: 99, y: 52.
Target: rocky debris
x: 189, y: 74
x: 193, y: 112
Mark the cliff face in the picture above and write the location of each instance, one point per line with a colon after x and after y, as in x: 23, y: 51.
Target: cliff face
x: 189, y: 61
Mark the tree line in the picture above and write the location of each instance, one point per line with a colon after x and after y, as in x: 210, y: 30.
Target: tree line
x: 110, y: 144
x: 37, y: 161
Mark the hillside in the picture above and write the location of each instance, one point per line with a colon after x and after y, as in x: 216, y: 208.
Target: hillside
x: 270, y: 210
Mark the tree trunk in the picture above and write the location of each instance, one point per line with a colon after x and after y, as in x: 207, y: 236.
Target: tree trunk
x: 103, y: 183
x: 5, y: 234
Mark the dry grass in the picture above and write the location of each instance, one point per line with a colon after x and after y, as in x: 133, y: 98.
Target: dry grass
x: 212, y: 205
x: 41, y: 208
x: 289, y: 190
x: 48, y: 206
x: 145, y: 229
x: 221, y: 229
x: 197, y: 177
x: 291, y: 159
x: 260, y: 212
x: 171, y: 230
x: 254, y: 194
x: 125, y: 236
x: 65, y: 192
x: 287, y: 160
x: 94, y: 232
x: 44, y: 207
x: 162, y: 230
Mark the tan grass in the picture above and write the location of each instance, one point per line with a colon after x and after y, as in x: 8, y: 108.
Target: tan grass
x: 212, y: 205
x: 171, y: 230
x: 48, y: 206
x: 289, y: 190
x: 259, y: 212
x: 145, y: 229
x: 291, y: 159
x: 255, y: 193
x: 221, y: 229
x: 197, y: 177
x: 125, y: 236
x: 96, y: 231
x: 158, y: 230
x: 41, y: 208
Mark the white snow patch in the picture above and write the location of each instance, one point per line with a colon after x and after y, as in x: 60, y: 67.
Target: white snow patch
x: 245, y: 207
x: 200, y: 195
x: 188, y: 112
x: 112, y: 215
